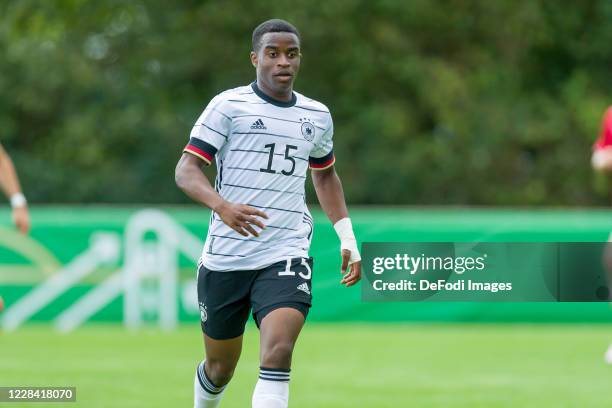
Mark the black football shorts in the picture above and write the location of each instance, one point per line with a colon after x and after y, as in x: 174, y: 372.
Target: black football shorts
x: 226, y: 298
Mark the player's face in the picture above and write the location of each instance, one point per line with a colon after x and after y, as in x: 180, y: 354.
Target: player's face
x: 277, y: 63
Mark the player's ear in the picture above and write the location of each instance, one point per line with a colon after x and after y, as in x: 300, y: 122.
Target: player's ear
x: 254, y: 59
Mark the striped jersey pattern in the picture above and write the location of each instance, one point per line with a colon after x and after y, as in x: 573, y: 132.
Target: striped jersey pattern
x: 262, y: 148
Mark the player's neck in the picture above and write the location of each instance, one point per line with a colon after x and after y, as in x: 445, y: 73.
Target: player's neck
x: 284, y: 96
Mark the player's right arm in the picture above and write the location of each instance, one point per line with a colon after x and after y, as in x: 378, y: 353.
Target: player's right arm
x: 191, y: 179
x: 11, y: 187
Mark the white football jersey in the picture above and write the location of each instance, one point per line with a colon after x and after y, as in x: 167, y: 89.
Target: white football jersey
x: 263, y: 149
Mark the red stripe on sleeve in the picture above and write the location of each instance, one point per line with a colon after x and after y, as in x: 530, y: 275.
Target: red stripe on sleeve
x: 200, y: 152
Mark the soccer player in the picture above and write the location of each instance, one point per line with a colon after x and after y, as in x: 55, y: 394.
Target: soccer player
x: 264, y: 137
x: 602, y: 162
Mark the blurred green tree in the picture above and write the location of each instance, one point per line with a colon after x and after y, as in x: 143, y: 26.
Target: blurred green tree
x: 439, y: 101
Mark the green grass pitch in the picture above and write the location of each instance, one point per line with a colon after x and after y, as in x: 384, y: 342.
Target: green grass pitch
x: 335, y: 366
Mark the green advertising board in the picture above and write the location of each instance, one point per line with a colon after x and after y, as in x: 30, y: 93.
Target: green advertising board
x: 138, y: 265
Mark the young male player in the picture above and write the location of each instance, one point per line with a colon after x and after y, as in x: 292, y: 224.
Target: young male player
x: 264, y: 137
x: 601, y: 161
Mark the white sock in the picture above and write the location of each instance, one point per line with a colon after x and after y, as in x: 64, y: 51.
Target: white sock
x: 205, y: 393
x: 272, y: 389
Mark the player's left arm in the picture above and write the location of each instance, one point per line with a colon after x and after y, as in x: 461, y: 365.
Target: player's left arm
x: 328, y: 186
x: 9, y: 182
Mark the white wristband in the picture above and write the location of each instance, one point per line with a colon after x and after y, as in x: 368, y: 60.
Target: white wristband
x: 18, y: 200
x: 344, y: 229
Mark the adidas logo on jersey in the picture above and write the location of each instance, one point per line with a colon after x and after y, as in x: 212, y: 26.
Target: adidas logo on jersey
x: 304, y: 288
x: 258, y: 124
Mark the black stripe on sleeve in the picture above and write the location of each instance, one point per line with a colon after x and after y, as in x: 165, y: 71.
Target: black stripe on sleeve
x: 202, y: 145
x: 321, y: 161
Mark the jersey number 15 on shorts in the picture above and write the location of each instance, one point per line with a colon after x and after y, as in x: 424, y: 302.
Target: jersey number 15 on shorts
x: 289, y: 272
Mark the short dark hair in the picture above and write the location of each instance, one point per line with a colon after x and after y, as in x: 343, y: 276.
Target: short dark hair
x: 272, y: 26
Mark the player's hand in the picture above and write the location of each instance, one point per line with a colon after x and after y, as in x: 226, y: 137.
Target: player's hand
x: 241, y: 218
x: 354, y: 269
x: 21, y: 218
